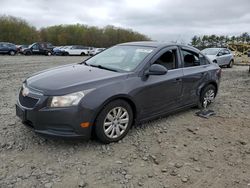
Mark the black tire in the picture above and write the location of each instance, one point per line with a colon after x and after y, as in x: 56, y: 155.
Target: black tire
x: 27, y: 53
x: 49, y: 53
x: 102, y: 117
x: 203, y: 94
x: 66, y: 54
x: 83, y: 54
x: 12, y: 52
x: 230, y: 65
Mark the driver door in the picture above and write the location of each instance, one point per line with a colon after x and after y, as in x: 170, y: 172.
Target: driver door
x: 160, y: 93
x: 220, y: 58
x: 35, y: 49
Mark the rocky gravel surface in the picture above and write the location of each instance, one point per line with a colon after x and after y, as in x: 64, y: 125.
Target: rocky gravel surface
x: 180, y: 150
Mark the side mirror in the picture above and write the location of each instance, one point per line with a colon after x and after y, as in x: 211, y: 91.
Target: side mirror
x: 156, y: 69
x: 219, y: 54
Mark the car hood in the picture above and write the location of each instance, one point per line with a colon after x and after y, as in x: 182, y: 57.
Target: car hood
x: 71, y: 78
x: 211, y: 57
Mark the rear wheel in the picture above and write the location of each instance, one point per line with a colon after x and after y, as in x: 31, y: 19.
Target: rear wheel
x: 207, y: 95
x: 12, y: 52
x: 114, y: 121
x: 230, y: 65
x: 49, y: 53
x: 83, y: 54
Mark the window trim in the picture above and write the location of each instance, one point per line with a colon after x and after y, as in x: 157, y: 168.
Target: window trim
x: 192, y: 51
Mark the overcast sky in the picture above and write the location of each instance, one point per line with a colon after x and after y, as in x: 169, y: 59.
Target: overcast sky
x: 162, y: 20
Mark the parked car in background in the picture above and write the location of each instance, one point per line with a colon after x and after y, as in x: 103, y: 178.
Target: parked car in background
x: 21, y: 47
x: 221, y: 56
x: 39, y: 48
x: 107, y: 93
x: 8, y: 48
x: 77, y: 50
x: 96, y: 51
x: 60, y: 51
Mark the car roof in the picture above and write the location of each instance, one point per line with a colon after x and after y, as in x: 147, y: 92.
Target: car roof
x: 156, y: 44
x: 216, y: 48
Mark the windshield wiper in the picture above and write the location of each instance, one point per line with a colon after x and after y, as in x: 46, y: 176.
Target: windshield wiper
x: 84, y: 62
x: 103, y: 67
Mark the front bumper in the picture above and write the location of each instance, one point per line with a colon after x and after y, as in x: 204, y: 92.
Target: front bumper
x: 55, y: 122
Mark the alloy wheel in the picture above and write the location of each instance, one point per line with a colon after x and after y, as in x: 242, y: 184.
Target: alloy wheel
x: 116, y: 122
x: 209, y: 96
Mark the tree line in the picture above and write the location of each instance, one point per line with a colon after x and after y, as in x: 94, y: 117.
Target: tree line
x: 208, y: 41
x: 19, y: 31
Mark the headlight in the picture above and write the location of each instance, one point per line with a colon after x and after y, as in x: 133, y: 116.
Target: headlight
x: 67, y: 100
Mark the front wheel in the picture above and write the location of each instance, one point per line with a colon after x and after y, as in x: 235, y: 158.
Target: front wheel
x: 230, y: 65
x: 27, y: 53
x: 114, y: 121
x: 207, y: 96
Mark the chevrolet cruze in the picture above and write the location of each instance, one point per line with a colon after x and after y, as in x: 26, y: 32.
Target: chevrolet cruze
x: 109, y: 92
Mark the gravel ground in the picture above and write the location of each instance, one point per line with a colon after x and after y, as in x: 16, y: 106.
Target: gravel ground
x: 181, y: 150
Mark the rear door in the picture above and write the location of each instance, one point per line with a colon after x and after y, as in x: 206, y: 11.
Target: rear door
x: 227, y: 56
x: 160, y: 93
x: 194, y: 74
x: 83, y: 50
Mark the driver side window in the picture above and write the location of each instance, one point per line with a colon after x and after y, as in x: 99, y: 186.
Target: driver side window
x: 168, y: 60
x: 35, y: 47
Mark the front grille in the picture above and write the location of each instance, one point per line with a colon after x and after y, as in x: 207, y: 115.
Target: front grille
x: 27, y: 101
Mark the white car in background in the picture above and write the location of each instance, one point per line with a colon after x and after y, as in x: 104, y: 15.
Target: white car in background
x: 96, y: 51
x: 77, y: 50
x: 221, y: 56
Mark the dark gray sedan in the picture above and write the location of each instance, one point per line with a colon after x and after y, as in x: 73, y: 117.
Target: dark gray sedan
x: 8, y: 48
x: 123, y: 85
x: 221, y: 56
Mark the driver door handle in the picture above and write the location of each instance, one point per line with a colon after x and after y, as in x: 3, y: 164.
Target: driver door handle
x: 178, y: 80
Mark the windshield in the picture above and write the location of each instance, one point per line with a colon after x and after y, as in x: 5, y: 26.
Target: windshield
x: 31, y: 45
x: 120, y: 58
x: 210, y: 51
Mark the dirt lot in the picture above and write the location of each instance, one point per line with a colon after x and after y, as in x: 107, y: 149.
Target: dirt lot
x: 244, y: 60
x: 180, y: 150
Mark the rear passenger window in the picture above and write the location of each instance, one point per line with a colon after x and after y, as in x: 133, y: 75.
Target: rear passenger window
x: 192, y: 59
x: 168, y: 60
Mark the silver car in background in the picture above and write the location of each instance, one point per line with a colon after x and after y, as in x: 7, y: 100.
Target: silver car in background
x: 221, y: 56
